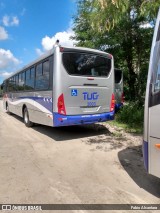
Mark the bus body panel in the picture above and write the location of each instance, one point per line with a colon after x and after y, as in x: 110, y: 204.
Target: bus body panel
x: 154, y: 157
x: 118, y: 88
x: 39, y: 105
x: 151, y: 143
x: 88, y: 99
x: 154, y: 138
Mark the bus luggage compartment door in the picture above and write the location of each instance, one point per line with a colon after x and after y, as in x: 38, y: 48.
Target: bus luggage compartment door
x: 154, y: 141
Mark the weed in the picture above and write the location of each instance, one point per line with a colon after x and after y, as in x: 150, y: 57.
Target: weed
x: 130, y: 118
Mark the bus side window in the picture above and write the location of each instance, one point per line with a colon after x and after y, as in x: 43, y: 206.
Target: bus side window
x: 155, y: 79
x: 42, y: 75
x: 39, y: 83
x: 158, y: 34
x: 11, y: 85
x: 16, y: 83
x: 4, y: 87
x: 30, y: 76
x: 46, y: 74
x: 21, y: 81
x: 7, y: 85
x: 27, y: 84
x: 51, y: 72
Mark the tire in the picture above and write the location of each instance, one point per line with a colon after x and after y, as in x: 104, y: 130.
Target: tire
x: 26, y: 120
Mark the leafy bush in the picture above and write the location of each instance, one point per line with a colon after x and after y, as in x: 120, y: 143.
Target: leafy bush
x: 131, y: 114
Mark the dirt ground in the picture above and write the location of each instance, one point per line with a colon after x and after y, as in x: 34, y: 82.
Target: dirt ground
x: 93, y: 164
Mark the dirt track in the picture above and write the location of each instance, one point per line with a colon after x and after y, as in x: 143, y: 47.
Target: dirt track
x: 82, y: 164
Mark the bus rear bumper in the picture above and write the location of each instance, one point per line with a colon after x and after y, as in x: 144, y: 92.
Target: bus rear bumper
x: 145, y: 154
x: 67, y: 120
x: 118, y: 106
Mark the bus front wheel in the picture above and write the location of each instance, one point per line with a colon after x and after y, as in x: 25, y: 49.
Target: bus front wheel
x: 27, y: 122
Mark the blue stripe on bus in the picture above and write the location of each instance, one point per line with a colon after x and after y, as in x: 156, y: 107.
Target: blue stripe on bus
x: 65, y: 120
x: 145, y: 154
x: 45, y: 102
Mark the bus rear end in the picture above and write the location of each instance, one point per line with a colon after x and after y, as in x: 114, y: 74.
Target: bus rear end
x: 83, y: 86
x: 119, y: 95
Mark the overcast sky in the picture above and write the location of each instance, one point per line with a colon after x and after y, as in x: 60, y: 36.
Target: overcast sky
x: 28, y: 28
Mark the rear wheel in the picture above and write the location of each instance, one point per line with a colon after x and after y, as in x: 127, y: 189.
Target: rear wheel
x: 27, y: 122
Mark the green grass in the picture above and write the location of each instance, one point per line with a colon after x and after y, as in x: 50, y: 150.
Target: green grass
x: 136, y: 129
x: 130, y: 118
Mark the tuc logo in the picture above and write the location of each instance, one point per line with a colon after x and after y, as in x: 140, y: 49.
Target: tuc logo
x: 90, y: 96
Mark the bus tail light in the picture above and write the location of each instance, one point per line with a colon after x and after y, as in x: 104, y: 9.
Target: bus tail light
x: 61, y: 105
x: 157, y: 145
x: 112, y: 106
x: 122, y: 98
x: 61, y: 49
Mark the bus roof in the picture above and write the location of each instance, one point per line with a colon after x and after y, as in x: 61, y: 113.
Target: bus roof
x: 45, y: 55
x: 64, y: 49
x: 86, y: 50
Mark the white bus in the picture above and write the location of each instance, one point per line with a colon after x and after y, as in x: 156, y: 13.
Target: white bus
x: 151, y: 140
x: 66, y: 86
x: 119, y: 95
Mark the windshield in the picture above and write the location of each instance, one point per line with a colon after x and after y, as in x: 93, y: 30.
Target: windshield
x: 85, y: 64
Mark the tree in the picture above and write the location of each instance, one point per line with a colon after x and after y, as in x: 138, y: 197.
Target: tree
x: 124, y: 28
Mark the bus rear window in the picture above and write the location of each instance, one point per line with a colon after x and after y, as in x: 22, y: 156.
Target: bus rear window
x: 86, y: 64
x: 118, y: 76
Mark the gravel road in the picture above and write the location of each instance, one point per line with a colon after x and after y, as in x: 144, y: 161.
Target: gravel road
x: 93, y: 164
